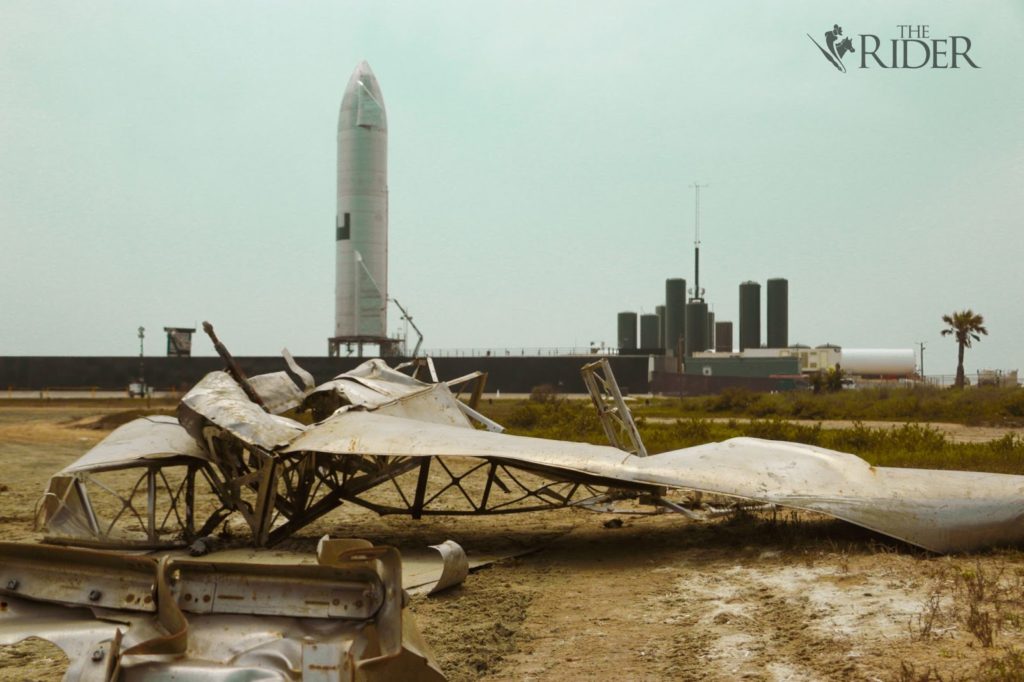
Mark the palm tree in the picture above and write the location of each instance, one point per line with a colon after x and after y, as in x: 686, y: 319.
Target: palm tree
x: 966, y: 326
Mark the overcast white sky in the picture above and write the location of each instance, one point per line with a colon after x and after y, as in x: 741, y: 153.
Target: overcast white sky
x: 162, y: 163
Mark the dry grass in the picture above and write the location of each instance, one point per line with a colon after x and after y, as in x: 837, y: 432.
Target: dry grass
x: 910, y: 445
x: 986, y: 405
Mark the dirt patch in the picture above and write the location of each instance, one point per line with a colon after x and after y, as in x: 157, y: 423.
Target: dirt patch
x: 789, y: 597
x: 490, y: 610
x: 30, y: 660
x: 109, y: 422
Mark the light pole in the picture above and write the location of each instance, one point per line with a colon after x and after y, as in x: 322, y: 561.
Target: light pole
x: 142, y: 367
x: 921, y: 345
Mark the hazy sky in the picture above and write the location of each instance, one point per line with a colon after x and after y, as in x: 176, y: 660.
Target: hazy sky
x: 162, y: 163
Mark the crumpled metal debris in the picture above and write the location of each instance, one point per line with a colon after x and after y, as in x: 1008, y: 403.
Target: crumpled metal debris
x: 133, y: 617
x: 397, y: 445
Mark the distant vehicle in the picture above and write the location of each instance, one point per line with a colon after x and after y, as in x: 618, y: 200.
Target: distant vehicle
x: 138, y: 389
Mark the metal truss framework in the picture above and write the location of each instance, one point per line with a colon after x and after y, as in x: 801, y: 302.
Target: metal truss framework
x: 278, y: 495
x: 178, y: 500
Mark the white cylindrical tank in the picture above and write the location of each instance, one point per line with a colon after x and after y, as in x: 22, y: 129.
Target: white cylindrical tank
x: 883, y: 361
x: 361, y: 235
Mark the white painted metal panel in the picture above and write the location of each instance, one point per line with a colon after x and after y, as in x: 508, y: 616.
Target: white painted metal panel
x: 156, y: 437
x: 939, y: 510
x: 221, y: 401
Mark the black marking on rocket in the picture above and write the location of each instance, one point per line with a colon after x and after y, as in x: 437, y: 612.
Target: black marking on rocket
x: 344, y: 231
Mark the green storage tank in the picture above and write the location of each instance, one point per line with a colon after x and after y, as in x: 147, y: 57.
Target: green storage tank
x: 649, y: 341
x: 627, y: 332
x: 778, y: 313
x: 723, y: 337
x: 660, y: 311
x: 675, y: 314
x: 750, y: 315
x: 696, y: 334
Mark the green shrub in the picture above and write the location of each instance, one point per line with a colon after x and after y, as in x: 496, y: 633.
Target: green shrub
x: 1013, y: 403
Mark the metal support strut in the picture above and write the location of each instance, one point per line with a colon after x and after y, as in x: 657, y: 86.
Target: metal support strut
x: 616, y: 419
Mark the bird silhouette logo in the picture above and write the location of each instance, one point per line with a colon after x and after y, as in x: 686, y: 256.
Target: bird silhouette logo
x: 837, y: 46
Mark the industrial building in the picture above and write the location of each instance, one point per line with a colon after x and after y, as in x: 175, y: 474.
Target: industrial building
x: 703, y: 347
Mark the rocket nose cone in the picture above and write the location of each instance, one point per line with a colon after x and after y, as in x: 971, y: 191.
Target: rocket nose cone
x: 363, y: 104
x: 364, y: 76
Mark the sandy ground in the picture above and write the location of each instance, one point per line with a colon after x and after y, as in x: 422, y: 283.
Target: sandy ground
x: 789, y: 597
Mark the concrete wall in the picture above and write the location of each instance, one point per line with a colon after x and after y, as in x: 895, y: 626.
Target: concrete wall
x: 507, y: 374
x: 672, y: 384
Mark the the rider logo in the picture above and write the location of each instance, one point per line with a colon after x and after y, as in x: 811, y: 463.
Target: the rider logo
x: 913, y: 47
x: 836, y: 48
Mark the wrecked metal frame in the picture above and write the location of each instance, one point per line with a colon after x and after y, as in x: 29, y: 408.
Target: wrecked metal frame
x: 278, y: 494
x: 115, y: 614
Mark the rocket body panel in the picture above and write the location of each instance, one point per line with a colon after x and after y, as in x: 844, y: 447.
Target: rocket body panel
x: 361, y: 231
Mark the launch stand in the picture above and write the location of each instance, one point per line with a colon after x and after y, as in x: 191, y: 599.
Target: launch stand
x: 389, y: 348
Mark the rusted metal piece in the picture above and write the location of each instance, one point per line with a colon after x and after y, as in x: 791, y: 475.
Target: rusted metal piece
x: 237, y: 373
x: 340, y: 619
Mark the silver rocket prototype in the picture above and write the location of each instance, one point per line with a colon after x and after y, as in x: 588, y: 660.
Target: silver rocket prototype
x: 361, y: 285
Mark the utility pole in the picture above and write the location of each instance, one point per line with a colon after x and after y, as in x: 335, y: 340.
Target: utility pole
x: 698, y: 293
x: 921, y: 346
x: 142, y: 366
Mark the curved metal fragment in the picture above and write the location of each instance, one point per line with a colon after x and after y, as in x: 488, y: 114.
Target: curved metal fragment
x: 455, y: 565
x: 218, y: 400
x: 146, y: 438
x: 943, y: 511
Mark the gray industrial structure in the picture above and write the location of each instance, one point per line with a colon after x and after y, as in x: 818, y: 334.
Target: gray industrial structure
x: 627, y: 333
x: 694, y: 323
x: 660, y: 312
x: 696, y: 332
x: 675, y: 314
x: 179, y: 341
x: 778, y: 313
x: 649, y: 327
x: 750, y: 315
x: 723, y: 337
x: 703, y: 348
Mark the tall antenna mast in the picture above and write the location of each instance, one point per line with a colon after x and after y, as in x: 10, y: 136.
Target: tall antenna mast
x: 698, y: 293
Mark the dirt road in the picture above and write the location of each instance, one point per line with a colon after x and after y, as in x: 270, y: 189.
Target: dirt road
x: 794, y: 597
